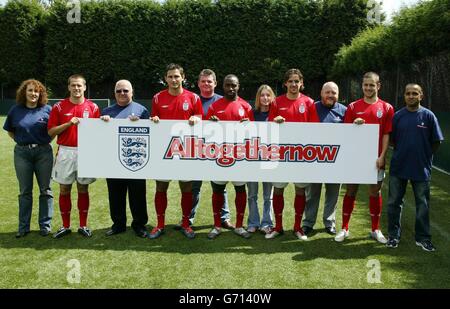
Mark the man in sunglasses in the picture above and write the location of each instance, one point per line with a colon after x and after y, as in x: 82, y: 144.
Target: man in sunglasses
x: 124, y: 108
x: 175, y: 103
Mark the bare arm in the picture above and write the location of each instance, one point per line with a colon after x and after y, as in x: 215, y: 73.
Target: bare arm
x: 61, y: 128
x: 384, y: 147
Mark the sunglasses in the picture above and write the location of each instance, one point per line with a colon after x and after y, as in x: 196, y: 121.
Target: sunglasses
x: 122, y: 90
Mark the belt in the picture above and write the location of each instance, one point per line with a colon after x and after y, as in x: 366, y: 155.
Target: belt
x: 30, y: 146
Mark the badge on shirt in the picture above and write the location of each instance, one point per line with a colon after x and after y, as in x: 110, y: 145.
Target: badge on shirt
x: 379, y: 113
x: 241, y: 112
x: 185, y: 106
x: 301, y: 109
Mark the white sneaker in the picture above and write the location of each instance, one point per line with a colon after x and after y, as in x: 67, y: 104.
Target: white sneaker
x: 214, y: 233
x: 301, y: 235
x: 242, y: 232
x: 273, y: 234
x: 252, y: 229
x: 378, y: 236
x: 343, y: 234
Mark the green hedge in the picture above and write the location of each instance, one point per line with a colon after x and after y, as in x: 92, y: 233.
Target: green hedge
x: 255, y: 39
x: 21, y: 40
x: 414, y: 34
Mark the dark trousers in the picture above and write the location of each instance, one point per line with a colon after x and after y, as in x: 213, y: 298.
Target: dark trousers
x: 137, y: 197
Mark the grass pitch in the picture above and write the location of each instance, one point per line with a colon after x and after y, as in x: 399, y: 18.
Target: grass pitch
x: 125, y: 261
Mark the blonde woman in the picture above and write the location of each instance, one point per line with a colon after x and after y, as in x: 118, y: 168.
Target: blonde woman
x: 264, y: 98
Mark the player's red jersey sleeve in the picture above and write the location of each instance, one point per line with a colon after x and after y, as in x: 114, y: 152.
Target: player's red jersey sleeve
x: 312, y: 112
x: 349, y: 115
x: 210, y: 111
x: 53, y: 120
x: 155, y: 106
x: 387, y: 128
x: 249, y: 111
x: 273, y: 111
x: 198, y: 107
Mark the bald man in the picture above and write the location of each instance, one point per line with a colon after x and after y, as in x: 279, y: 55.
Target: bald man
x: 330, y: 111
x: 124, y: 108
x: 416, y: 136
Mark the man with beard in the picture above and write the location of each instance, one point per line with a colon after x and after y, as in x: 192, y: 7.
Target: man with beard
x: 293, y: 106
x: 329, y: 110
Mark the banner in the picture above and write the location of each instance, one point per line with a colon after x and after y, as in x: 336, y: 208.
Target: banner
x: 228, y: 150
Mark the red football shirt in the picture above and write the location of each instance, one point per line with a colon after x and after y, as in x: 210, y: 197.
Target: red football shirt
x: 301, y: 109
x: 181, y: 107
x: 379, y: 112
x: 65, y: 110
x: 230, y: 110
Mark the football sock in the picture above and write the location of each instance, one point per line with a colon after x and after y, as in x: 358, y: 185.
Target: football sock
x: 240, y: 201
x: 160, y: 207
x: 186, y: 207
x: 83, y: 207
x: 375, y: 206
x: 65, y: 206
x: 299, y: 206
x: 278, y: 206
x: 347, y: 209
x: 217, y: 202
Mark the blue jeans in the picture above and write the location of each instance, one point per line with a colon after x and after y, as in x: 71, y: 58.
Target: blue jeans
x: 196, y: 186
x: 421, y: 189
x: 253, y: 211
x: 29, y: 162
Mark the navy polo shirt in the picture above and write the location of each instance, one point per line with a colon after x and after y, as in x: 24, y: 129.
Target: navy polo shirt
x: 335, y: 114
x: 413, y: 134
x: 260, y: 116
x: 29, y: 125
x: 122, y: 112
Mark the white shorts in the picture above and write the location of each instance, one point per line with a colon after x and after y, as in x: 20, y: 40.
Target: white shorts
x: 282, y: 185
x: 65, y: 168
x: 235, y: 183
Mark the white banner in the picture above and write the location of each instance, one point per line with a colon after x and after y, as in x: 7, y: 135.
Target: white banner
x: 228, y: 150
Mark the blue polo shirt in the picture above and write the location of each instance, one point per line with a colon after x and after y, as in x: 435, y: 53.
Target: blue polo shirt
x: 206, y: 102
x: 29, y: 125
x: 335, y: 114
x: 413, y: 134
x: 122, y: 112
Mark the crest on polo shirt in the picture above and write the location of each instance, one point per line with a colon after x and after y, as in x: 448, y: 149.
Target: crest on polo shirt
x: 134, y: 147
x: 301, y: 108
x: 379, y: 113
x: 185, y: 106
x: 241, y: 112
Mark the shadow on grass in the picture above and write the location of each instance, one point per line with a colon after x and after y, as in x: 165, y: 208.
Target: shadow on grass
x: 173, y: 241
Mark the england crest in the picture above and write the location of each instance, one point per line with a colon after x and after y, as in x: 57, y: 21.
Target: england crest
x: 379, y: 113
x: 185, y: 106
x: 301, y: 109
x: 134, y: 147
x: 241, y: 112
